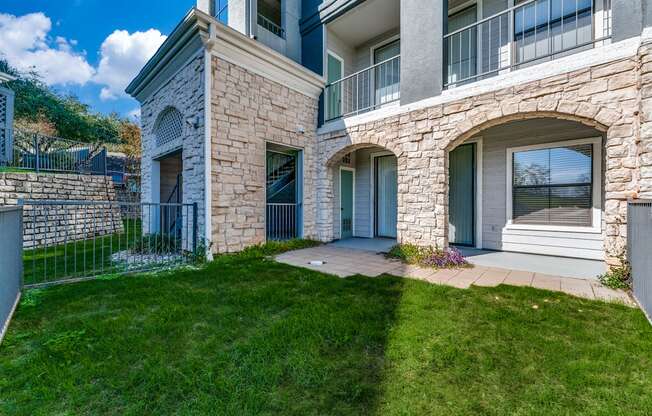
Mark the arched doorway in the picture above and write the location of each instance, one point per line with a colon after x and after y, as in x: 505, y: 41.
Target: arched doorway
x: 365, y: 193
x: 531, y: 186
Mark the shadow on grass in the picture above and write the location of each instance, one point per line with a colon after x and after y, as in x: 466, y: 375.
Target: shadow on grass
x: 239, y: 337
x: 251, y: 336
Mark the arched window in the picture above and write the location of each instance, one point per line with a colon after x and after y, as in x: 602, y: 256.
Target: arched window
x: 168, y: 126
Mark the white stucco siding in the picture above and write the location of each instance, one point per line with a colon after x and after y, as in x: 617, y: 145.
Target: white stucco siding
x: 495, y: 234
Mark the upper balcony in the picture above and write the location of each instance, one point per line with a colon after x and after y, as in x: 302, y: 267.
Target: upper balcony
x: 482, y: 42
x: 480, y: 39
x: 362, y: 62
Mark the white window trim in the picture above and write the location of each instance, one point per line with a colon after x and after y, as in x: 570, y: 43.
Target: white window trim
x: 596, y: 186
x: 384, y: 42
x: 352, y: 170
x: 372, y: 199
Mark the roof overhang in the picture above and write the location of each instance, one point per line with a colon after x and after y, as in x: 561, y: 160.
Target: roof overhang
x: 192, y: 25
x: 228, y: 44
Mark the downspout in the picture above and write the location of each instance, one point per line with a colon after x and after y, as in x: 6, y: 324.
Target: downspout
x: 208, y: 193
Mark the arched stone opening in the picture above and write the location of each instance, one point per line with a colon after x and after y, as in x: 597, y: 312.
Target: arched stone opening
x: 534, y: 183
x: 359, y: 193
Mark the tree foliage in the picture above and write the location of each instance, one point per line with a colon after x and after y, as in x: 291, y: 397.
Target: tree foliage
x: 37, y: 105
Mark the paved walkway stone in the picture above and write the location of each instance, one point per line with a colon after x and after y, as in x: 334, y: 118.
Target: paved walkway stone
x: 344, y: 262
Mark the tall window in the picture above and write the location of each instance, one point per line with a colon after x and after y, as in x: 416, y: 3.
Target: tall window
x: 222, y: 11
x: 270, y: 16
x: 553, y: 186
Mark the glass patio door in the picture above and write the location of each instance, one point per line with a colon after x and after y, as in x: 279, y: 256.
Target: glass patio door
x: 461, y: 201
x: 388, y: 75
x: 386, y: 195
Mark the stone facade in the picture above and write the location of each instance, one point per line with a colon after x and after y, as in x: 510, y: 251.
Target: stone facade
x: 645, y: 144
x: 605, y: 97
x: 59, y: 223
x: 185, y: 92
x: 248, y: 111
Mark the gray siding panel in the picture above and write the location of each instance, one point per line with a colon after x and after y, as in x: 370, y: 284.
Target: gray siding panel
x: 494, y: 217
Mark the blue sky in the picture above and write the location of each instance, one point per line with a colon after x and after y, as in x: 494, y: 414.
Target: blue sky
x: 87, y: 47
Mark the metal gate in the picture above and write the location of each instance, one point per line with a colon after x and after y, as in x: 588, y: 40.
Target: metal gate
x: 639, y: 248
x: 73, y: 240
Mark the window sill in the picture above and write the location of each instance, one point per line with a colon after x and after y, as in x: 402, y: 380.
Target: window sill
x: 559, y: 228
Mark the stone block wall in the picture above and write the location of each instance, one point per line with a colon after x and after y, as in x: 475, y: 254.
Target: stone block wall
x: 248, y: 111
x: 645, y: 143
x: 185, y: 92
x: 605, y: 97
x: 55, y: 224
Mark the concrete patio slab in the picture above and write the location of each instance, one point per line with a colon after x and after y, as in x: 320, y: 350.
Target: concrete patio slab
x: 551, y: 265
x: 347, y: 261
x: 377, y: 245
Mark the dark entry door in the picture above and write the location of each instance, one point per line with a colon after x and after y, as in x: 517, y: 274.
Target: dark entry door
x: 461, y: 213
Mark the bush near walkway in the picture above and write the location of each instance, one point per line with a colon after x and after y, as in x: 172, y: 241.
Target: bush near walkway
x: 246, y: 335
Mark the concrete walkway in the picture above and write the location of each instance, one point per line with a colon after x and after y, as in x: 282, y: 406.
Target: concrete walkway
x: 347, y: 261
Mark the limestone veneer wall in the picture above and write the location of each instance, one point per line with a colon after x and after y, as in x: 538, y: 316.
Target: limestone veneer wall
x: 606, y: 97
x: 185, y: 92
x: 248, y: 111
x: 58, y: 223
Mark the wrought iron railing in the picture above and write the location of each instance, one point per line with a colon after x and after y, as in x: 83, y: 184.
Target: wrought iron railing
x: 364, y: 90
x: 37, y: 152
x: 66, y: 239
x: 271, y: 26
x: 281, y: 221
x: 531, y: 32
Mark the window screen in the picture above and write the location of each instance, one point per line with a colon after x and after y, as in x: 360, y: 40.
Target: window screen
x: 553, y: 186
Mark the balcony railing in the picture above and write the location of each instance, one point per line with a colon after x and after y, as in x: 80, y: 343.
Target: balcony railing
x: 271, y: 26
x: 532, y: 32
x: 364, y: 90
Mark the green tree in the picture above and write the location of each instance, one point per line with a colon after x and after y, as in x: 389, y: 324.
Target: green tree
x: 36, y: 103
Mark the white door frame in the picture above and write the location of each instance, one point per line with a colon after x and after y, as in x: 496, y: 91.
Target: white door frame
x: 352, y: 170
x: 372, y: 208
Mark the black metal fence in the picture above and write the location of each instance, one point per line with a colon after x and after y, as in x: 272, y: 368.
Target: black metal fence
x: 639, y: 249
x: 40, y: 153
x: 66, y: 240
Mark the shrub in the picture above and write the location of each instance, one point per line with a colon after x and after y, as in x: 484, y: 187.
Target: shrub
x: 619, y: 277
x: 428, y: 256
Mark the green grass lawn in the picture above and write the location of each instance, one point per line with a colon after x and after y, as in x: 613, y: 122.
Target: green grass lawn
x: 245, y: 335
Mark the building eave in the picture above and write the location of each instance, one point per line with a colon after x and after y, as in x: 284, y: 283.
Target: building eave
x: 229, y: 44
x: 193, y: 24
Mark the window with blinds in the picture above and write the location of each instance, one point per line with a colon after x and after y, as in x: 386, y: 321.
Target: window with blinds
x: 553, y: 186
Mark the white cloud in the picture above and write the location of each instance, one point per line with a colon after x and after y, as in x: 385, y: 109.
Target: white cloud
x: 122, y: 56
x: 134, y: 114
x: 25, y: 44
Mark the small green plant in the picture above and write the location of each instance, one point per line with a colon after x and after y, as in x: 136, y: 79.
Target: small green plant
x: 200, y: 256
x: 618, y: 277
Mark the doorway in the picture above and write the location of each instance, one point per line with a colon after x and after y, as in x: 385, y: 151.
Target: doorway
x: 283, y: 192
x: 347, y: 196
x: 386, y: 195
x: 461, y: 216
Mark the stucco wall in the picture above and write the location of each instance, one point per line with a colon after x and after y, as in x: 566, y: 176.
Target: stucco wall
x: 248, y: 111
